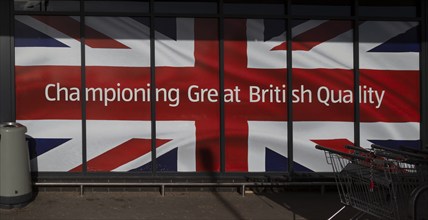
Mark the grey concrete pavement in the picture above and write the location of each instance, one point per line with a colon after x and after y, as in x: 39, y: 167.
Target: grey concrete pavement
x: 180, y: 205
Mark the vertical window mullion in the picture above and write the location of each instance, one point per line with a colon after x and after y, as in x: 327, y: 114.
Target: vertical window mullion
x: 424, y: 78
x: 221, y: 77
x: 153, y: 86
x: 83, y: 85
x: 7, y: 80
x: 289, y: 91
x: 356, y: 75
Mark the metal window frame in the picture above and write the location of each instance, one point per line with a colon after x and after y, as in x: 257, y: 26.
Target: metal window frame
x: 7, y: 79
x: 356, y: 69
x: 423, y: 57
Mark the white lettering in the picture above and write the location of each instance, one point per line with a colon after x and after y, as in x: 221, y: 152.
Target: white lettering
x: 47, y: 92
x: 323, y: 95
x: 201, y: 95
x: 254, y: 94
x: 379, y: 98
x: 232, y: 95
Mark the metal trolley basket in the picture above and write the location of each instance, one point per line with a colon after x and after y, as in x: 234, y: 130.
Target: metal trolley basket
x: 377, y: 182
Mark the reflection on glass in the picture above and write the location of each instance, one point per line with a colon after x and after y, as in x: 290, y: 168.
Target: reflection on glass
x: 320, y: 8
x: 46, y: 5
x: 117, y: 6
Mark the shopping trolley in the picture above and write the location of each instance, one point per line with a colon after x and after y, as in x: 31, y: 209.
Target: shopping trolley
x: 412, y: 182
x: 373, y: 181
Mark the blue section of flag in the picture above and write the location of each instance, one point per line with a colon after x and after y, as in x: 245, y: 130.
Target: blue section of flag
x: 405, y: 42
x: 26, y: 36
x: 143, y: 20
x: 165, y: 163
x: 168, y: 161
x: 277, y: 162
x: 145, y: 168
x: 396, y: 144
x: 167, y: 26
x: 39, y: 146
x: 273, y: 28
x: 300, y: 168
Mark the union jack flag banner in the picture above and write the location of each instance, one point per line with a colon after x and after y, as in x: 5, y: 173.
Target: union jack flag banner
x: 188, y: 98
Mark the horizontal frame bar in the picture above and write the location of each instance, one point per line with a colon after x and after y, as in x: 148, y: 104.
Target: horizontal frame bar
x: 188, y: 184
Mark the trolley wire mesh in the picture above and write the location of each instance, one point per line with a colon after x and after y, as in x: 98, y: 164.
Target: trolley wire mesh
x: 377, y: 181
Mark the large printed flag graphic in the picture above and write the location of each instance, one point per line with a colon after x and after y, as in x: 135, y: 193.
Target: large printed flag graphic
x: 322, y: 56
x: 48, y: 53
x: 117, y: 52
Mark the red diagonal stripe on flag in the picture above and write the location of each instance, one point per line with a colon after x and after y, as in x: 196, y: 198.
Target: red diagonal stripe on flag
x: 71, y: 27
x: 316, y: 36
x: 122, y: 154
x: 335, y: 144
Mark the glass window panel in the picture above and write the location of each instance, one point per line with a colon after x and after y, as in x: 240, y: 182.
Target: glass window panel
x: 323, y: 84
x: 271, y: 7
x: 118, y: 94
x: 47, y: 5
x: 390, y: 83
x: 321, y: 8
x: 388, y: 8
x: 117, y: 6
x: 188, y: 106
x: 255, y: 79
x: 48, y: 84
x: 196, y: 7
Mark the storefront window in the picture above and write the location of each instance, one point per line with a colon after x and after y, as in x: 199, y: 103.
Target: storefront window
x: 188, y: 97
x: 136, y: 6
x: 48, y: 86
x: 256, y: 103
x: 321, y: 8
x: 272, y: 7
x: 47, y: 5
x: 388, y: 8
x: 194, y: 7
x: 389, y: 83
x: 323, y: 90
x: 212, y: 75
x: 118, y: 115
